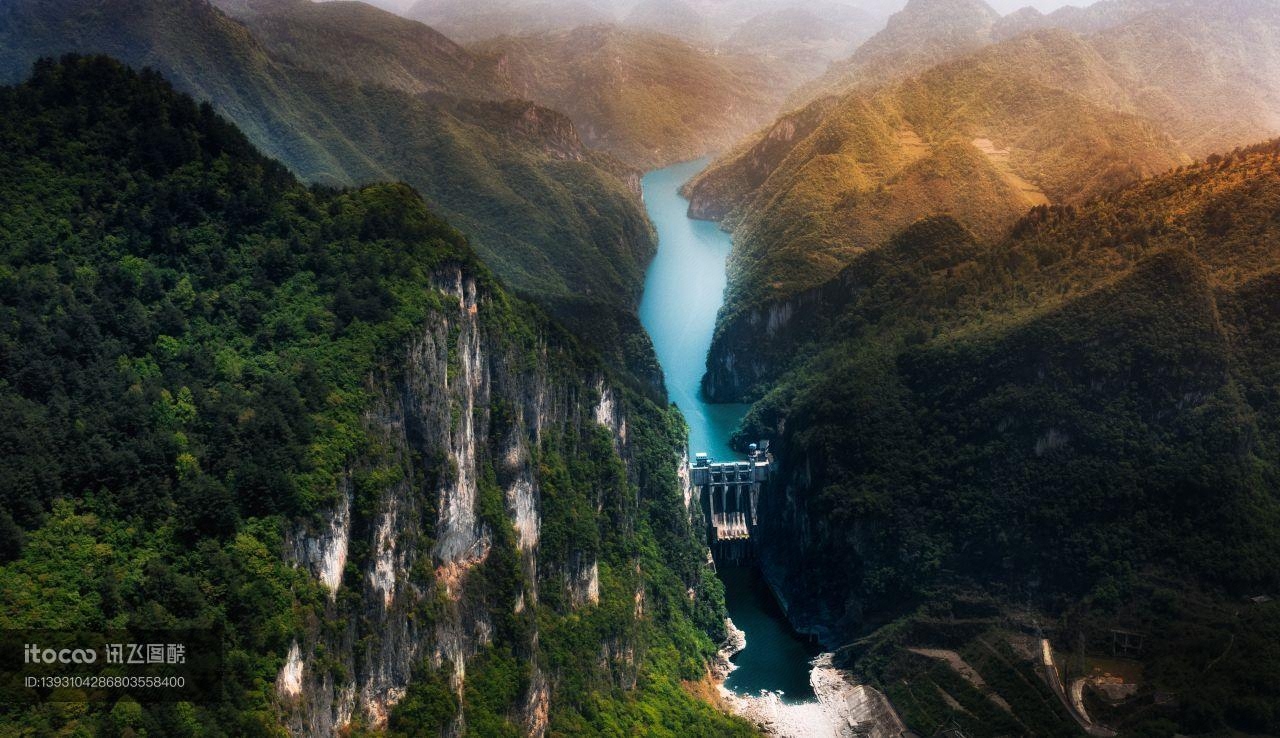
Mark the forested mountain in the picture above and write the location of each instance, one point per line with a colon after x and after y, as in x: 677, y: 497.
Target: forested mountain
x: 650, y: 99
x: 355, y: 41
x: 312, y: 419
x: 983, y: 139
x: 1078, y: 419
x: 552, y: 218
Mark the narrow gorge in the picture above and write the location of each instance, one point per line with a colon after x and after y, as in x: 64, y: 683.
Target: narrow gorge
x: 771, y: 674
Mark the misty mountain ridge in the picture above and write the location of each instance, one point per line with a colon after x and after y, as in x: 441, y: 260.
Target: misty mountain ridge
x: 1055, y: 114
x: 649, y: 99
x: 353, y: 40
x: 1205, y: 72
x: 709, y: 22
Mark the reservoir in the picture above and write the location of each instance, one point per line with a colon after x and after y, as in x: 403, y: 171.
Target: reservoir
x: 683, y: 291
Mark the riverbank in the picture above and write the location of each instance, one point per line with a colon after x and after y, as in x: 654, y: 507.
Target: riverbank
x: 841, y: 706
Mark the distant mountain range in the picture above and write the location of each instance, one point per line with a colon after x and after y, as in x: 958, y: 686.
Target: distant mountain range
x: 474, y: 20
x: 921, y: 35
x: 805, y: 37
x: 1046, y: 115
x: 1207, y: 72
x: 702, y: 22
x: 650, y: 99
x: 355, y: 41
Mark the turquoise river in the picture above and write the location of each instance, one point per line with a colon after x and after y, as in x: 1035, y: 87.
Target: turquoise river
x: 683, y: 291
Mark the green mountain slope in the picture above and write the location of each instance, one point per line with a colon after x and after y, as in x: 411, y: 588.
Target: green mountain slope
x: 552, y: 218
x: 354, y: 41
x: 652, y: 100
x: 982, y: 139
x: 213, y: 379
x: 1075, y: 421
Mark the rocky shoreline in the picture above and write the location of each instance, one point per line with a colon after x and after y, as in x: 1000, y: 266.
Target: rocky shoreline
x: 843, y: 708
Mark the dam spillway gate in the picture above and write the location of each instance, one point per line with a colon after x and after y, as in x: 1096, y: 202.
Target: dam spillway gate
x: 730, y: 495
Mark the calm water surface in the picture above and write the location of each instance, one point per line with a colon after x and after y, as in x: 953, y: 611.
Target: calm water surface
x: 683, y: 291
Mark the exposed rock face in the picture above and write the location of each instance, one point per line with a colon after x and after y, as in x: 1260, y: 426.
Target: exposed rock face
x: 324, y: 551
x: 751, y: 351
x: 421, y: 534
x: 290, y: 682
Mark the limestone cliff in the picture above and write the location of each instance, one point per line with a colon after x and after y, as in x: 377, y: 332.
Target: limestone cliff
x: 434, y: 552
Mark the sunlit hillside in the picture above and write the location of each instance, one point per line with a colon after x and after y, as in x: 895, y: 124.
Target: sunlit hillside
x: 982, y: 139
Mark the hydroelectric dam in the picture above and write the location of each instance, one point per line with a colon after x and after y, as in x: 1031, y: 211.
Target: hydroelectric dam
x: 684, y: 288
x: 729, y: 492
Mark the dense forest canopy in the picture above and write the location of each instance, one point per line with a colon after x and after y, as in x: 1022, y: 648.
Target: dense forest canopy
x: 560, y: 223
x: 1077, y: 418
x: 187, y: 341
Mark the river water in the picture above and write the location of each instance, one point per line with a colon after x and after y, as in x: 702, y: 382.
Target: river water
x: 683, y: 291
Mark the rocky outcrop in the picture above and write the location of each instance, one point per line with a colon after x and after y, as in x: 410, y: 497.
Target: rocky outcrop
x: 751, y: 350
x: 842, y: 708
x: 400, y: 549
x: 323, y: 549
